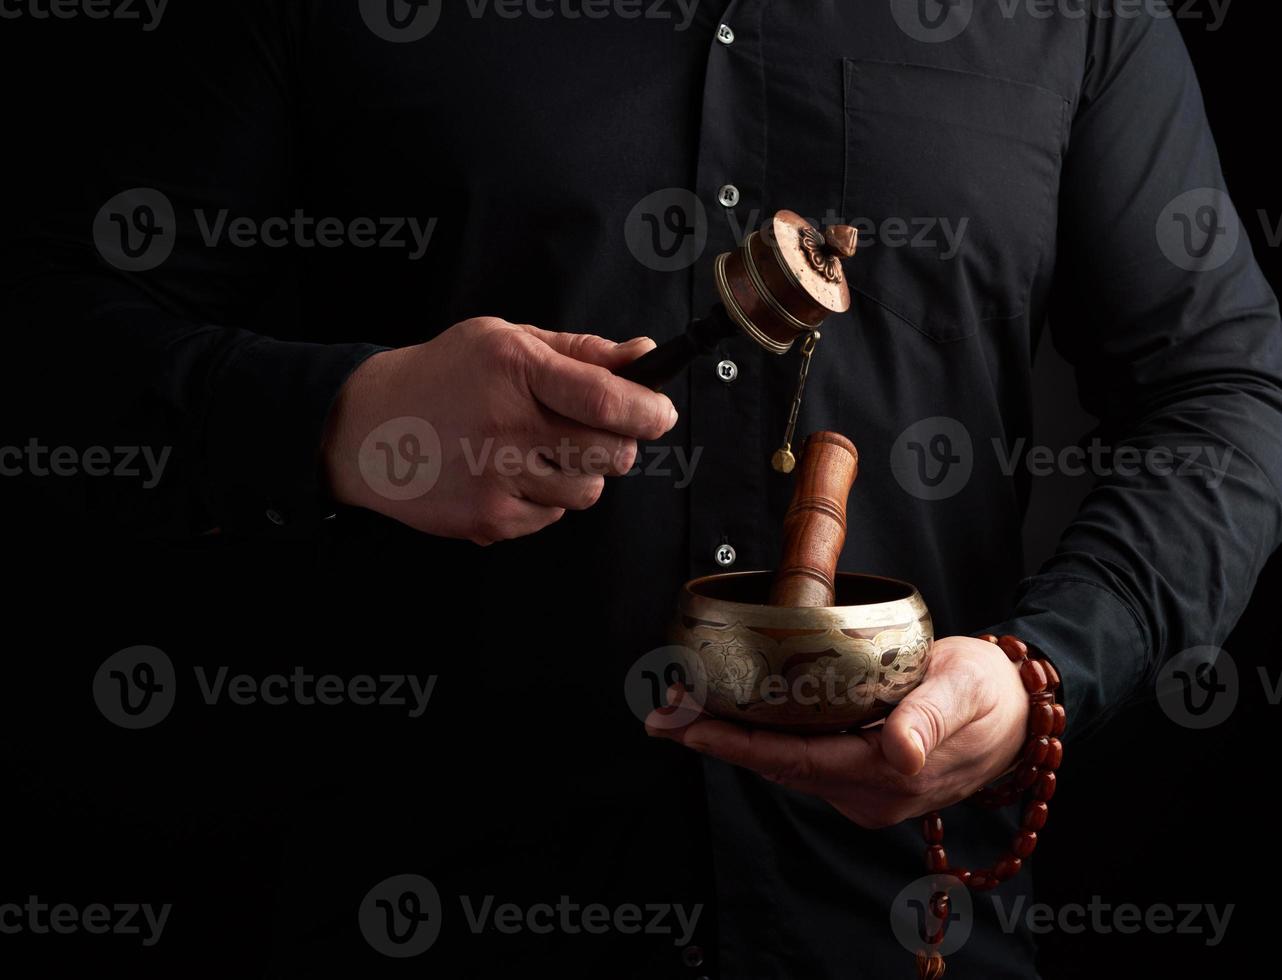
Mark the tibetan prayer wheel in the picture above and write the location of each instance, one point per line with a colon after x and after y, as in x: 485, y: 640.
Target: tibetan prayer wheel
x: 780, y: 284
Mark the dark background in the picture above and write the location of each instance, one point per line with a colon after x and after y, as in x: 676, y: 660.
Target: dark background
x: 1149, y: 812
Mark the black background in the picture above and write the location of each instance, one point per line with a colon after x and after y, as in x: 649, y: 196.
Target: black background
x: 1148, y: 812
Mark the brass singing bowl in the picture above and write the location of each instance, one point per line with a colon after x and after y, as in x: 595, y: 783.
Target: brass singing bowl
x: 811, y: 670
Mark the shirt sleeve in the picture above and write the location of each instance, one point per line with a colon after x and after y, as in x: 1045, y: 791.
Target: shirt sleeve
x: 1174, y: 335
x: 143, y: 327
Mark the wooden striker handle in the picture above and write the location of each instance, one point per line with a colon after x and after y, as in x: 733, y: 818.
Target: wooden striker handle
x: 814, y: 528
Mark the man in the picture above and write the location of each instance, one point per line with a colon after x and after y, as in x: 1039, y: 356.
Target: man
x: 543, y: 189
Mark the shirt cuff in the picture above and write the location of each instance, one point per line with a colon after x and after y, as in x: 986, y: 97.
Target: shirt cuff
x: 1092, y: 638
x: 264, y: 431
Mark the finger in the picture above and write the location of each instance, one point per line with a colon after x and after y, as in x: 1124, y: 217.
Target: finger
x: 944, y: 702
x: 593, y: 452
x: 681, y: 710
x: 808, y: 763
x: 513, y: 517
x: 598, y: 399
x: 592, y: 349
x: 553, y: 487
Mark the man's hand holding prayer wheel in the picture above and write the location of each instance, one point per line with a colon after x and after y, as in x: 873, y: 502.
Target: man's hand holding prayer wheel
x: 529, y: 421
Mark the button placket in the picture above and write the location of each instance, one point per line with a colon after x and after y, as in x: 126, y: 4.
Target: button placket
x: 728, y: 497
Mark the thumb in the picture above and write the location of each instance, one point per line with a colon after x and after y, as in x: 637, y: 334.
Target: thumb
x: 944, y: 702
x: 592, y: 349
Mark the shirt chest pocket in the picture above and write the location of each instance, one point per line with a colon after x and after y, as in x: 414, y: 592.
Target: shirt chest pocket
x: 952, y: 179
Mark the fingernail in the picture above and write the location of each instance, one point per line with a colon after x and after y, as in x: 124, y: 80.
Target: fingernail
x: 917, y: 741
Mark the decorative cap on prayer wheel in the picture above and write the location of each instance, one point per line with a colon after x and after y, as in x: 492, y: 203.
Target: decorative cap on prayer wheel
x: 785, y: 280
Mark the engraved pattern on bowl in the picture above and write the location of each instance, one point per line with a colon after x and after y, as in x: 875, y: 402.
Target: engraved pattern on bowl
x: 815, y: 670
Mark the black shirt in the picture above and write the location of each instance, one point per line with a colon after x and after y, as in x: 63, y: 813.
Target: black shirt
x: 1007, y: 171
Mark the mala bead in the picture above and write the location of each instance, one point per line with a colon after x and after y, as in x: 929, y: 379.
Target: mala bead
x: 1042, y: 754
x: 1041, y: 718
x: 1014, y: 648
x: 936, y: 858
x: 1054, y: 754
x: 1008, y: 867
x: 1033, y: 676
x: 1036, y: 751
x: 1025, y: 777
x: 932, y: 828
x: 1044, y: 788
x: 1035, y: 815
x: 940, y: 905
x: 1052, y: 675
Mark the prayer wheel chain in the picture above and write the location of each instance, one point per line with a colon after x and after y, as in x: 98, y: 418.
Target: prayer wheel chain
x: 1035, y: 772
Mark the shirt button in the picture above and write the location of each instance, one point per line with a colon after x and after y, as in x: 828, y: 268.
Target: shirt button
x: 728, y: 196
x: 692, y: 956
x: 724, y: 555
x: 725, y: 35
x: 727, y: 371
